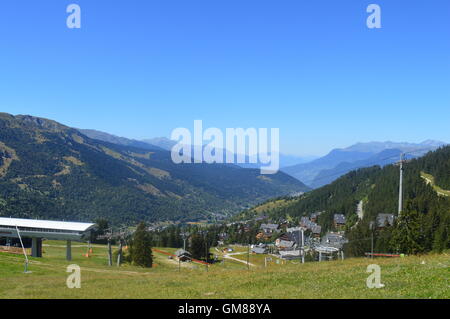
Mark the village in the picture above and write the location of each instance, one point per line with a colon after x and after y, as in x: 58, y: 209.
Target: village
x: 303, y: 241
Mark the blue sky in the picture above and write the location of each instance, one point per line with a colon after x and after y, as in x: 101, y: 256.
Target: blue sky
x: 140, y: 68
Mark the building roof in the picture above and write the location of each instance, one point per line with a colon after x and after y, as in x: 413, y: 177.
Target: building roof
x: 383, y: 218
x: 305, y: 222
x: 339, y: 219
x: 285, y: 243
x: 316, y: 229
x: 293, y: 229
x: 258, y: 250
x: 295, y: 236
x: 269, y: 226
x: 334, y: 240
x: 316, y: 214
x: 181, y: 252
x: 45, y: 224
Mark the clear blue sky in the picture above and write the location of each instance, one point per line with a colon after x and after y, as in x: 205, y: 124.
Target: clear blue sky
x: 140, y: 68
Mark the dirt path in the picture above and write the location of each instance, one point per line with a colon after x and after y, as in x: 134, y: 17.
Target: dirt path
x: 437, y: 189
x: 227, y: 256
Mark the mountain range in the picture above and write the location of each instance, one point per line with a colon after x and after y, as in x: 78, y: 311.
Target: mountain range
x: 167, y: 144
x: 49, y: 170
x: 338, y: 162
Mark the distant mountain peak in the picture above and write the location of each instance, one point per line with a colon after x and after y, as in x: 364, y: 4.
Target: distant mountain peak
x: 376, y: 147
x: 162, y: 142
x: 434, y: 143
x: 340, y: 160
x: 34, y: 122
x: 110, y: 138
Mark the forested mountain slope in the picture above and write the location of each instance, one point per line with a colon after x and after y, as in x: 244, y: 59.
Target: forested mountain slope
x: 424, y: 222
x: 48, y: 170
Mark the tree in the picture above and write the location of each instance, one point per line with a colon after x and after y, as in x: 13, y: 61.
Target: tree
x: 141, y: 250
x: 197, y: 247
x: 359, y: 241
x: 101, y: 226
x: 442, y: 235
x: 408, y: 235
x: 383, y: 239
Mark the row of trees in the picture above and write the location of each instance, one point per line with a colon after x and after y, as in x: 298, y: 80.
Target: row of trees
x: 139, y: 245
x: 199, y: 240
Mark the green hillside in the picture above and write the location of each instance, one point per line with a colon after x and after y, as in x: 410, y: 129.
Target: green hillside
x: 48, y: 170
x: 425, y: 221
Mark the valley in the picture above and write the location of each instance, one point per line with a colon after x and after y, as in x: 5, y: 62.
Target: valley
x: 49, y: 170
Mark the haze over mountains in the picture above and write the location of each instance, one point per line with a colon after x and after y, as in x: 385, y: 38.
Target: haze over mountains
x: 49, y: 170
x: 167, y: 144
x: 338, y: 162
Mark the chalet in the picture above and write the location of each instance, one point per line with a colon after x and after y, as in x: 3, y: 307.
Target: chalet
x: 291, y: 237
x: 183, y: 255
x: 284, y: 236
x: 269, y: 228
x: 336, y: 240
x: 261, y: 236
x: 305, y: 222
x: 295, y: 234
x: 284, y: 244
x: 339, y: 220
x: 316, y: 230
x: 312, y: 226
x: 384, y: 220
x: 260, y: 249
x: 292, y: 229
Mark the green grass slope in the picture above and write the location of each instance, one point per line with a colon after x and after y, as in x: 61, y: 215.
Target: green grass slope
x: 424, y: 276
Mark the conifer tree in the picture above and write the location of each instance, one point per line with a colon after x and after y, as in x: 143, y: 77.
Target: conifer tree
x: 197, y: 247
x: 408, y: 236
x: 141, y: 250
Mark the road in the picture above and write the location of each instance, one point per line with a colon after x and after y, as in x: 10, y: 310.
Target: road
x: 228, y: 256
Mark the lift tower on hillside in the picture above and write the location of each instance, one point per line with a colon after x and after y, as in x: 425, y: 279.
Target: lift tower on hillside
x: 400, y: 187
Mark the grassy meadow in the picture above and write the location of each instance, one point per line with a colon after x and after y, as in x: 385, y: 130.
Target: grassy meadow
x: 426, y: 276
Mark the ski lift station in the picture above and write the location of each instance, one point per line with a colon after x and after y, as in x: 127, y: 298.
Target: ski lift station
x: 36, y: 230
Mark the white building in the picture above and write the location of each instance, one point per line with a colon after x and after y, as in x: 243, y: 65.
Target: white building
x: 39, y: 229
